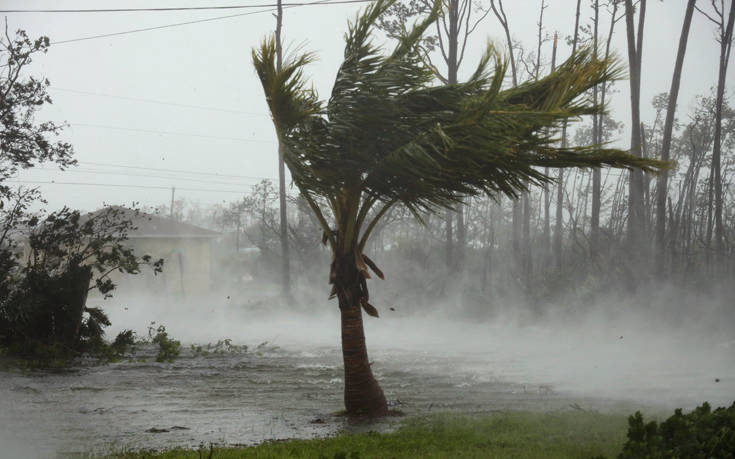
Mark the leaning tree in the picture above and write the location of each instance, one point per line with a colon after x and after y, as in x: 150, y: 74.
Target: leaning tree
x: 390, y: 135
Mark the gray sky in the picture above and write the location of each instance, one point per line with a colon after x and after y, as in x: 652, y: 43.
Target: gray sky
x: 208, y: 65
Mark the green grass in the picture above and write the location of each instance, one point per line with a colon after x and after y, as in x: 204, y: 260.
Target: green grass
x: 503, y: 435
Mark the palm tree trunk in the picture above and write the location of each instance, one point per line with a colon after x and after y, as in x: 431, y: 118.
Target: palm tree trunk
x: 363, y: 395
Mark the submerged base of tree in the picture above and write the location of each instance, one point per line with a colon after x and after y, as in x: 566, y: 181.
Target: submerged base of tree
x: 363, y: 395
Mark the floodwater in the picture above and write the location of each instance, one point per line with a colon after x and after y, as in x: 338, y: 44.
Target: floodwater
x: 289, y: 381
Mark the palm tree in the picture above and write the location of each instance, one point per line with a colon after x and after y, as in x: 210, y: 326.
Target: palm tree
x: 389, y: 135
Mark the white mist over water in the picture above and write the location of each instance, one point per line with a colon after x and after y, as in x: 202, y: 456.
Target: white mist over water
x: 426, y: 362
x: 626, y: 356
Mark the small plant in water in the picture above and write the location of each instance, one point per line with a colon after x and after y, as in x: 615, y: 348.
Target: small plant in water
x: 168, y: 349
x: 223, y: 346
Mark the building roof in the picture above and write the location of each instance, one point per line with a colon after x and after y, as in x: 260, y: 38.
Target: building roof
x: 154, y: 226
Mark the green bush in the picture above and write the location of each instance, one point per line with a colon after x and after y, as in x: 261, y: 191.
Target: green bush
x: 168, y: 349
x: 43, y: 299
x: 703, y: 433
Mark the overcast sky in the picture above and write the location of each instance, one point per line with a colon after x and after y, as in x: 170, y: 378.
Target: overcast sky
x: 213, y: 118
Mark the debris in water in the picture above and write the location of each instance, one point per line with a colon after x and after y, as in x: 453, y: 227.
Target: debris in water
x: 576, y: 407
x: 155, y: 430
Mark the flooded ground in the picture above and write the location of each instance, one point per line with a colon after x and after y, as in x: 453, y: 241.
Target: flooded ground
x: 289, y: 381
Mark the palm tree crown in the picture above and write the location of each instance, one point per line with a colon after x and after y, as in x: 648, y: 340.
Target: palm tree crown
x: 389, y: 134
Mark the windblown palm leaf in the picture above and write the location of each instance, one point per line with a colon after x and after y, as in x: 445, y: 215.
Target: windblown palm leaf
x: 391, y: 133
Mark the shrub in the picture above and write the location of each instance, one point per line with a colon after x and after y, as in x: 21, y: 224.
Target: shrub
x: 703, y: 433
x: 43, y: 308
x: 168, y: 349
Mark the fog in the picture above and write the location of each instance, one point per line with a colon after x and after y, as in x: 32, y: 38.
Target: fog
x: 611, y: 349
x: 434, y: 359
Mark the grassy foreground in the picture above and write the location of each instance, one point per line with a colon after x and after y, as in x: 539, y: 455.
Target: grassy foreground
x: 513, y: 434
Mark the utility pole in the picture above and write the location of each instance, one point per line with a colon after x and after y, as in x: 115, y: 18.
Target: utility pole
x: 171, y: 209
x: 285, y: 266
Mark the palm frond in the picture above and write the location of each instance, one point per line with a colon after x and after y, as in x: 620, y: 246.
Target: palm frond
x: 391, y: 134
x: 289, y: 101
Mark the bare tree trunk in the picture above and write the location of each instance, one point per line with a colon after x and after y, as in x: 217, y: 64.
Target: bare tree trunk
x: 558, y: 225
x: 596, y: 178
x: 547, y: 193
x: 67, y: 320
x: 646, y: 180
x: 636, y: 224
x: 487, y: 266
x: 461, y: 234
x: 452, y: 68
x: 449, y: 245
x: 662, y: 186
x: 526, y: 199
x: 285, y: 257
x: 601, y: 123
x: 725, y: 45
x: 526, y: 242
x: 503, y: 19
x: 710, y: 207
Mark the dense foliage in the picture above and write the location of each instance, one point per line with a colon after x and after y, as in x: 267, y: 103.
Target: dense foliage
x: 23, y: 142
x: 703, y: 433
x: 44, y: 307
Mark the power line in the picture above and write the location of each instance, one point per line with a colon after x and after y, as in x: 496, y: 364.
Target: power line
x: 117, y: 185
x: 132, y: 174
x: 184, y: 171
x: 185, y: 8
x: 147, y: 29
x: 196, y: 21
x: 160, y: 102
x: 153, y: 131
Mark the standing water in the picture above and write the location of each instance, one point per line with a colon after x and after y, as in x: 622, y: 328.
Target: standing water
x: 288, y: 383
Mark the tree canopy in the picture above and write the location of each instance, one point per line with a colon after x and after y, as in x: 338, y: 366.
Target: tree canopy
x: 390, y: 134
x: 23, y: 142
